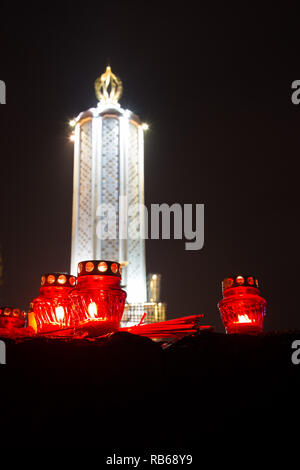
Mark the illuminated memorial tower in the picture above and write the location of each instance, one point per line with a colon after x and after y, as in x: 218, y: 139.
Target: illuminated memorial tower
x: 109, y: 172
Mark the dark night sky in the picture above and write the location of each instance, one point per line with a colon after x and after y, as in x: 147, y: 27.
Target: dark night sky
x: 214, y: 85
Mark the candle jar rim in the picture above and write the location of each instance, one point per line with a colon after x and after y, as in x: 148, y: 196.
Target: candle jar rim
x: 240, y: 280
x: 241, y: 291
x: 58, y: 279
x: 59, y: 291
x: 97, y: 282
x: 12, y: 314
x: 99, y: 267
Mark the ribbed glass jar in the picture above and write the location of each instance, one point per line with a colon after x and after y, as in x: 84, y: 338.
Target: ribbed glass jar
x: 53, y: 308
x: 11, y: 317
x: 242, y: 308
x: 98, y: 298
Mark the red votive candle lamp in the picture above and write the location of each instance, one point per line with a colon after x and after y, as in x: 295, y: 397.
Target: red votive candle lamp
x: 11, y: 317
x: 53, y: 308
x: 98, y: 297
x: 242, y: 308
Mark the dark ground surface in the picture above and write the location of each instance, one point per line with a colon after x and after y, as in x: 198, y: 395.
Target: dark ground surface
x: 126, y: 392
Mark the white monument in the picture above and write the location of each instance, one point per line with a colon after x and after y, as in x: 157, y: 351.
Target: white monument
x: 109, y: 172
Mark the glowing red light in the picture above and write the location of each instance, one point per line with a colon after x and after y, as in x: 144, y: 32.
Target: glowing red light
x: 52, y: 308
x: 102, y: 267
x: 114, y: 268
x: 92, y: 309
x: 51, y: 279
x: 242, y: 308
x: 60, y: 314
x: 243, y: 319
x: 240, y: 280
x: 89, y: 267
x: 62, y: 279
x: 98, y: 298
x: 12, y: 318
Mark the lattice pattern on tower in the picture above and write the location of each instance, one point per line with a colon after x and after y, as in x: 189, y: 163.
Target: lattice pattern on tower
x: 85, y: 216
x: 133, y: 313
x: 135, y: 268
x: 110, y: 181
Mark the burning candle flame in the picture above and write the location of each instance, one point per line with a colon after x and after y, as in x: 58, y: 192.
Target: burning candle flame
x: 92, y: 309
x: 243, y: 319
x: 60, y: 314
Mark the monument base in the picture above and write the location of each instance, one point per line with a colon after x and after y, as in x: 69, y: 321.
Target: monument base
x: 133, y: 313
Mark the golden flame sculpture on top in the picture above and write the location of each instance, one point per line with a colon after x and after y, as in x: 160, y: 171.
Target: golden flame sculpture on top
x: 108, y: 87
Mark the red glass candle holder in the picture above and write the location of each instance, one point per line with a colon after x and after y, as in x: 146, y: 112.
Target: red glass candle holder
x: 52, y: 308
x: 242, y: 308
x: 98, y: 297
x: 11, y: 317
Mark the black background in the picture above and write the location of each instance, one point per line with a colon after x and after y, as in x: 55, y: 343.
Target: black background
x: 214, y: 83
